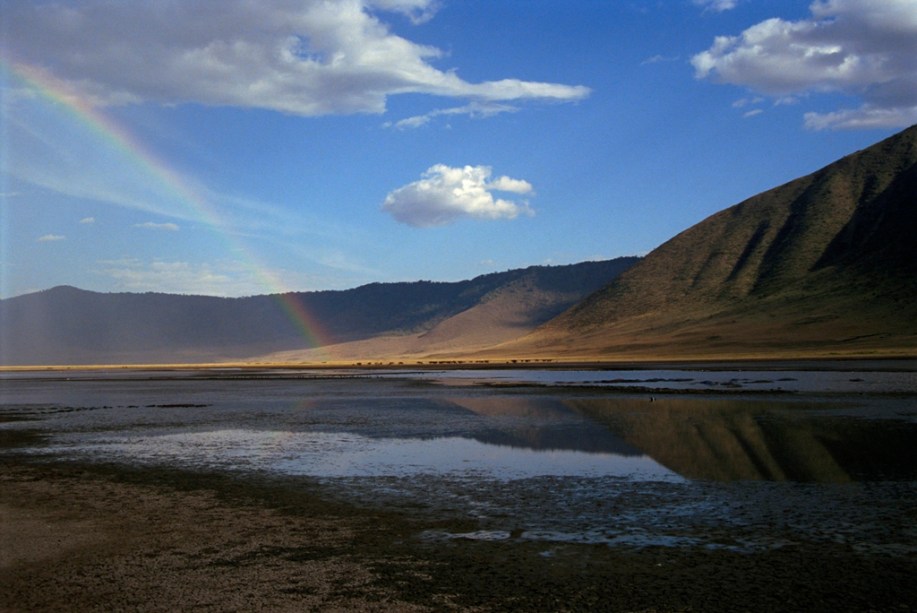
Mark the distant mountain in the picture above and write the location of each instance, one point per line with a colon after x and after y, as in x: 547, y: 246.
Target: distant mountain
x: 823, y: 265
x: 65, y: 325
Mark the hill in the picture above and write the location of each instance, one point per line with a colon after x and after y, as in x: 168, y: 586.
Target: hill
x: 65, y: 325
x: 823, y: 265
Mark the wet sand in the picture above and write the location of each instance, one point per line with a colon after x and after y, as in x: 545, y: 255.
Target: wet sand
x: 96, y: 537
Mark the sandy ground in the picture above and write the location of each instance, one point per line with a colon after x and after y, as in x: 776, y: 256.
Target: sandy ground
x: 104, y: 538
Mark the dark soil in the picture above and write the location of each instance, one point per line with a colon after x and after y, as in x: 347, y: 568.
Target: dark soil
x: 89, y: 537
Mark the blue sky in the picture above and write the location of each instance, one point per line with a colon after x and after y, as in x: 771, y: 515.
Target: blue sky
x: 244, y: 147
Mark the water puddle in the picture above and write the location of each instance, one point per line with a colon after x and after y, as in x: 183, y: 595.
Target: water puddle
x: 346, y: 454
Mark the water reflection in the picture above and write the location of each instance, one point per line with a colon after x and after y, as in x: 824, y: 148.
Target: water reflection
x: 727, y: 440
x: 366, y: 427
x: 490, y: 436
x: 542, y: 423
x: 341, y: 454
x: 570, y: 466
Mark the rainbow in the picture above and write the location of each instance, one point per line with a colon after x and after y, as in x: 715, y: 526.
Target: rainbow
x: 147, y: 162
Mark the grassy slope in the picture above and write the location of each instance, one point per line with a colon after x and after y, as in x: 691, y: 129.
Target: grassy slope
x: 824, y: 265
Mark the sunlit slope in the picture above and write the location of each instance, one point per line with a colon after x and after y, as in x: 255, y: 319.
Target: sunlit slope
x: 508, y: 310
x: 825, y: 264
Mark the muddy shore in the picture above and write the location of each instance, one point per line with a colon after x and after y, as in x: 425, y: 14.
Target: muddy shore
x: 101, y: 537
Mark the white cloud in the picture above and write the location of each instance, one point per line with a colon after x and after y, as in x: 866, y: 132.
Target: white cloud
x: 150, y: 225
x: 169, y: 277
x: 864, y: 117
x: 305, y: 57
x: 474, y: 110
x: 743, y: 102
x: 658, y: 58
x: 219, y: 278
x: 854, y: 47
x: 717, y: 6
x: 88, y: 220
x: 418, y: 11
x: 48, y: 238
x: 507, y: 184
x: 445, y: 194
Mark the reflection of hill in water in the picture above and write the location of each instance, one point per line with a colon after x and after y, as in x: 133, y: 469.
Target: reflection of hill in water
x: 721, y: 439
x: 543, y: 424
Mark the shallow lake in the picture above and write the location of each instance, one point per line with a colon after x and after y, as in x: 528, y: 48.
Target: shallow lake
x: 536, y: 455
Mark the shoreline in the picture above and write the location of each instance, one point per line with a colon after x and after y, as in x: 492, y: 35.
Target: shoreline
x: 904, y: 363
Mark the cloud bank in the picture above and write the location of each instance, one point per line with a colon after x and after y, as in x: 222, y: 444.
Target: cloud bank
x: 218, y: 278
x: 859, y: 48
x: 169, y: 276
x: 303, y: 57
x: 445, y: 194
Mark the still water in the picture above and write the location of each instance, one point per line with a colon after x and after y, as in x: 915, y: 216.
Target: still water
x: 559, y: 461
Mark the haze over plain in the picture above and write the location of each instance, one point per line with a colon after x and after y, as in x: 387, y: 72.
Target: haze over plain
x: 174, y: 147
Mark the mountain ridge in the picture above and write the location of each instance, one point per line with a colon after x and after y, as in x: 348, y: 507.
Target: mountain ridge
x: 777, y: 269
x: 65, y: 325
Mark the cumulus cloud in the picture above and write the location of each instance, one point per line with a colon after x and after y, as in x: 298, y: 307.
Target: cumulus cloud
x: 304, y: 57
x: 445, y: 194
x: 88, y: 220
x: 49, y: 238
x: 867, y: 50
x: 151, y: 225
x: 418, y: 11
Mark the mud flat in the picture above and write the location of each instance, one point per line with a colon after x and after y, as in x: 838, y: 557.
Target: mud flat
x: 172, y: 494
x: 96, y: 538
